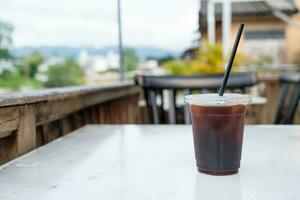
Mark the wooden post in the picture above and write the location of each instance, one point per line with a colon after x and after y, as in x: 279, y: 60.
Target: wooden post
x: 65, y: 125
x: 272, y: 93
x: 26, y: 134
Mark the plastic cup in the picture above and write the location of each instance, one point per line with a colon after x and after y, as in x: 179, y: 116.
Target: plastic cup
x: 218, y: 127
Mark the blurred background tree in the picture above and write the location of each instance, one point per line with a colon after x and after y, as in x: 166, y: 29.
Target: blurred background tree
x: 16, y: 74
x: 131, y: 59
x: 263, y: 61
x: 6, y: 30
x: 29, y: 64
x: 65, y: 73
x: 23, y: 73
x: 163, y: 59
x: 15, y: 81
x: 178, y: 67
x: 209, y: 60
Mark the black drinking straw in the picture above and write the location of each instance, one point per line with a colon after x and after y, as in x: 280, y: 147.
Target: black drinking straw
x: 232, y: 56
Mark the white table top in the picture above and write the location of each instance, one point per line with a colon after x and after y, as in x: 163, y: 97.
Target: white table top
x: 152, y: 163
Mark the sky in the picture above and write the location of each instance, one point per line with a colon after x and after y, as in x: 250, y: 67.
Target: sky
x: 169, y: 24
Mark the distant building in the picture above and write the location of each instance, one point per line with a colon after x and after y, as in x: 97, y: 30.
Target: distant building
x: 98, y: 63
x: 95, y: 66
x: 112, y: 60
x: 150, y: 67
x: 266, y: 33
x: 6, y: 65
x: 55, y: 60
x: 83, y: 58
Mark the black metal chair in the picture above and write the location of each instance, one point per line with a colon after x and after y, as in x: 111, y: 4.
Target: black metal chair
x: 289, y: 98
x: 154, y: 87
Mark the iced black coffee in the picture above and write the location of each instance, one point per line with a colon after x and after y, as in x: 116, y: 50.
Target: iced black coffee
x: 218, y: 126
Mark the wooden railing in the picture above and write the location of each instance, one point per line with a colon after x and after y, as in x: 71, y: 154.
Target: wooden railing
x: 29, y: 120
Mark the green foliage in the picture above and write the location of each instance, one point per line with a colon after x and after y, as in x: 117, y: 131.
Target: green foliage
x: 30, y: 63
x: 130, y: 59
x: 263, y: 60
x: 178, y: 67
x: 6, y: 30
x: 14, y: 80
x: 5, y: 54
x: 162, y: 60
x: 63, y: 74
x: 209, y: 60
x: 66, y: 73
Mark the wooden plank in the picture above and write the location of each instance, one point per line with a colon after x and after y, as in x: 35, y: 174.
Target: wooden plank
x: 114, y: 112
x: 104, y: 113
x: 8, y: 148
x: 22, y: 98
x: 26, y: 134
x: 45, y: 133
x: 54, y: 130
x: 78, y: 120
x: 272, y: 93
x: 53, y: 110
x: 39, y: 136
x: 94, y: 114
x: 129, y: 115
x: 65, y: 125
x: 50, y: 111
x: 5, y: 134
x: 9, y: 120
x: 256, y: 114
x: 136, y: 109
x: 86, y: 116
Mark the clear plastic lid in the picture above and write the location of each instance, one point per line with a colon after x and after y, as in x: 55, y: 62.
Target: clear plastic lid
x: 228, y: 99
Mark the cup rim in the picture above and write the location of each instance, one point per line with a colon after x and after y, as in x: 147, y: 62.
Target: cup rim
x: 213, y: 99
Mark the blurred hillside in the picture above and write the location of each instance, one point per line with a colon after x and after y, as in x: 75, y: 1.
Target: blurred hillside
x: 73, y: 52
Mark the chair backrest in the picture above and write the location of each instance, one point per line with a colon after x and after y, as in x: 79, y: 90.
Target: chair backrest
x: 159, y: 89
x: 289, y: 98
